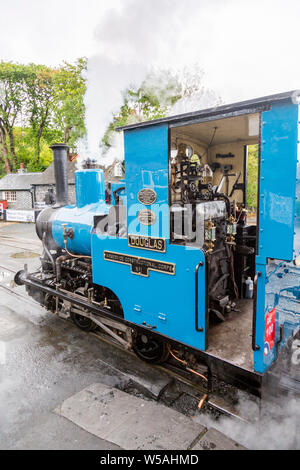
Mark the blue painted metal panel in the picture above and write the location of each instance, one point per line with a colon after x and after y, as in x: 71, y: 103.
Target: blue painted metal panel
x: 147, y: 166
x: 297, y: 218
x: 82, y: 222
x: 90, y: 187
x: 279, y: 288
x: 279, y: 150
x: 279, y: 229
x: 90, y: 201
x: 161, y: 300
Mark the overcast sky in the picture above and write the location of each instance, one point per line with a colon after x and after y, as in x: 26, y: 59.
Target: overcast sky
x: 247, y: 48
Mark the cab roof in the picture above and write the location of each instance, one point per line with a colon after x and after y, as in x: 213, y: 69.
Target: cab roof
x: 235, y: 109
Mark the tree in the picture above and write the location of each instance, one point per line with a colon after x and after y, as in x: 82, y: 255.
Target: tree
x: 70, y: 87
x: 252, y: 187
x: 39, y: 105
x: 11, y: 102
x: 3, y: 148
x: 40, y: 101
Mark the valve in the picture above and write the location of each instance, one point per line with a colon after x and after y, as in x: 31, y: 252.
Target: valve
x: 68, y: 233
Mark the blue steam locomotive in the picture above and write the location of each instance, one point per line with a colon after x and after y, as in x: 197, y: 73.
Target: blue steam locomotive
x: 171, y: 261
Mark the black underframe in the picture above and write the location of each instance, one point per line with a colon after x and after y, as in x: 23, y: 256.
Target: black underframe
x: 237, y: 376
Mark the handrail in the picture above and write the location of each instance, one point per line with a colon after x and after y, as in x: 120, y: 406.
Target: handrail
x: 255, y: 347
x: 199, y: 330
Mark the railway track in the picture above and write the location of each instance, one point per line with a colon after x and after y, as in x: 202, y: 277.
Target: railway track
x: 17, y: 294
x: 26, y: 248
x: 5, y: 268
x: 185, y: 379
x: 20, y: 243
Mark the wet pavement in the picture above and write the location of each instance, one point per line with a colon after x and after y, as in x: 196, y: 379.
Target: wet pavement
x: 45, y: 360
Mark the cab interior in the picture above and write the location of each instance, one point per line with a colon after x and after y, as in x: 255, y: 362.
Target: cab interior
x: 228, y: 150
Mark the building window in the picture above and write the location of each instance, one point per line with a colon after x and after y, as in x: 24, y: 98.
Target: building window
x: 10, y: 196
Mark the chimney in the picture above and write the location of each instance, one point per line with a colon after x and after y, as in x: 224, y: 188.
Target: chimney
x: 21, y: 169
x: 60, y: 152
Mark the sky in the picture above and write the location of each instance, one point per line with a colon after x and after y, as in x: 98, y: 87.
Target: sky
x: 247, y: 48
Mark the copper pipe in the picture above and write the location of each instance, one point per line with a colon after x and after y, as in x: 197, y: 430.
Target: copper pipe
x: 76, y: 256
x: 187, y: 368
x: 197, y: 373
x: 201, y: 403
x: 177, y: 359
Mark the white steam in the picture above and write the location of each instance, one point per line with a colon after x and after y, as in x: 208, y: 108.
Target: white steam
x: 277, y: 427
x: 132, y: 42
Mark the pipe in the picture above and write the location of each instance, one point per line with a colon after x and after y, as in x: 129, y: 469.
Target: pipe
x: 60, y: 173
x: 187, y: 368
x: 58, y: 264
x: 75, y: 256
x: 48, y: 252
x: 202, y: 401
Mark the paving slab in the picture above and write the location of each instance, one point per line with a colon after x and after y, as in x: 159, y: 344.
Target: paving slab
x: 129, y: 422
x: 53, y: 432
x: 215, y: 440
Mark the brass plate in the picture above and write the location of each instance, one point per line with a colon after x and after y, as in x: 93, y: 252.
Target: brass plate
x: 140, y: 266
x: 147, y: 243
x: 147, y: 197
x: 146, y: 217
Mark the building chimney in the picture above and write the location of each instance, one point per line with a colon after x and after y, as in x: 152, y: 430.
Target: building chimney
x: 21, y: 169
x: 60, y: 152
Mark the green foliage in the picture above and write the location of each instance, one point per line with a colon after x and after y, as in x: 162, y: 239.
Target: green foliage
x: 70, y: 89
x: 12, y: 97
x: 39, y: 105
x: 25, y: 148
x: 40, y: 102
x: 252, y: 177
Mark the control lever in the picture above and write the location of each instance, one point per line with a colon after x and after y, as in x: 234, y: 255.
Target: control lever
x: 235, y: 186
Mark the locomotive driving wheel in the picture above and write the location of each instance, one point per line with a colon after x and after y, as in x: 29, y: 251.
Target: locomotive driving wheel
x: 150, y: 348
x: 84, y: 323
